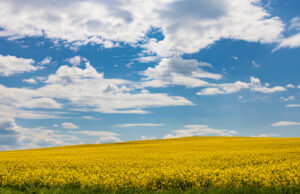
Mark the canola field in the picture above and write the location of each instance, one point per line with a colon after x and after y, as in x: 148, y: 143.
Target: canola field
x: 182, y: 163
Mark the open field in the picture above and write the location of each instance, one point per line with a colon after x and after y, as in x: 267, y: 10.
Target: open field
x: 211, y: 164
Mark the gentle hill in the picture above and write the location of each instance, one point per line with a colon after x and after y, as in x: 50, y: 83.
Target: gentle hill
x: 182, y: 163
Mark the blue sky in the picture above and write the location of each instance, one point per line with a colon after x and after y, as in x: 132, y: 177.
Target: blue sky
x: 76, y: 72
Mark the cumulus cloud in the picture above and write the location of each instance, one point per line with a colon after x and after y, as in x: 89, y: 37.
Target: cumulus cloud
x: 69, y: 126
x: 178, y: 71
x: 30, y: 81
x: 187, y: 26
x: 192, y: 25
x: 199, y: 130
x: 189, y: 73
x: 140, y: 125
x: 8, y: 111
x: 88, y: 88
x: 10, y: 65
x: 13, y: 136
x: 285, y: 123
x: 290, y: 86
x: 84, y: 89
x: 228, y: 88
x: 25, y: 98
x: 76, y: 61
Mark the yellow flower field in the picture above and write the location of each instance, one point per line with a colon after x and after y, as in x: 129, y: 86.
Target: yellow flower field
x: 158, y: 164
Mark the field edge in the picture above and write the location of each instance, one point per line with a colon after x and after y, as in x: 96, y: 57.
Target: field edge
x: 291, y: 189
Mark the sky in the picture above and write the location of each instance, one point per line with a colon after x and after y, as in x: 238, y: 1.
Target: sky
x: 103, y: 71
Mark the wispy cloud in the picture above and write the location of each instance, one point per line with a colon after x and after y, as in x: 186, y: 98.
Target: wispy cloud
x: 69, y: 126
x: 289, y: 42
x: 229, y: 88
x: 286, y: 99
x: 140, y: 125
x: 10, y: 65
x: 285, y: 123
x: 103, y: 136
x: 199, y: 130
x: 95, y: 133
x: 254, y: 64
x: 266, y: 135
x: 46, y: 61
x: 30, y: 81
x: 108, y: 139
x: 293, y: 105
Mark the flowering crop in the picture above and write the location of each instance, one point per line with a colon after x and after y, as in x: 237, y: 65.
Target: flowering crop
x: 158, y: 164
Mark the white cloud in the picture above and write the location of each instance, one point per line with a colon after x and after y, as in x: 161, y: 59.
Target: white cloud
x: 214, y: 91
x: 76, y: 61
x: 10, y: 65
x: 147, y: 59
x: 268, y: 90
x: 108, y: 139
x: 293, y: 105
x: 234, y: 58
x: 18, y: 112
x: 266, y: 135
x: 148, y: 138
x: 254, y: 85
x: 290, y: 42
x: 285, y: 123
x: 25, y: 98
x: 290, y: 86
x: 128, y: 65
x: 30, y: 81
x: 95, y: 133
x: 89, y: 89
x: 295, y: 23
x: 286, y: 99
x: 140, y: 125
x: 82, y: 89
x: 13, y: 136
x: 298, y: 86
x: 178, y: 71
x: 69, y: 126
x: 199, y: 130
x: 104, y: 136
x: 89, y: 117
x: 187, y: 26
x: 46, y: 61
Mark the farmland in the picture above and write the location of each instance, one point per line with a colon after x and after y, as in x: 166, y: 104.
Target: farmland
x: 157, y: 165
